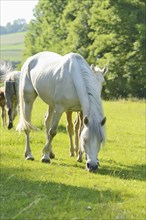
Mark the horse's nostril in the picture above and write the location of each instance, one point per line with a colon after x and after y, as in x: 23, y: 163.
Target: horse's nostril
x: 88, y: 165
x: 91, y: 168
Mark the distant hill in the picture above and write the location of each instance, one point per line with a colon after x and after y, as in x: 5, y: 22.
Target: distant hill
x: 16, y: 26
x: 12, y: 47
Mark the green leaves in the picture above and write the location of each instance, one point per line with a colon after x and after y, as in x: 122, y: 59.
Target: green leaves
x: 103, y: 32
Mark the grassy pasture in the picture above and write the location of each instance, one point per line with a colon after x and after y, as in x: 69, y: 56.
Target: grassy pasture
x: 12, y: 46
x: 64, y: 190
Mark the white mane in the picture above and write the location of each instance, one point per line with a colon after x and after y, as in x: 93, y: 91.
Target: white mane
x: 96, y: 110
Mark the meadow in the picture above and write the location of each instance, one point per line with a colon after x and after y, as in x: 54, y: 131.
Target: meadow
x: 12, y: 46
x: 64, y: 190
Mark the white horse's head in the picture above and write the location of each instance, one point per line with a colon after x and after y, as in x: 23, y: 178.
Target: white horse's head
x: 91, y: 141
x: 93, y: 125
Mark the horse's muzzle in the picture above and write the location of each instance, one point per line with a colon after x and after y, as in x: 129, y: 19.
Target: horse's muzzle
x: 92, y: 168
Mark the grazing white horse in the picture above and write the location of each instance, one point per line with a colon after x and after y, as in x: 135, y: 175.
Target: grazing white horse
x: 65, y: 83
x: 11, y: 90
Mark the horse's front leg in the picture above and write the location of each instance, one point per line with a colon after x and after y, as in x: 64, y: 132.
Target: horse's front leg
x: 47, y: 122
x: 69, y: 128
x: 51, y: 134
x: 76, y: 132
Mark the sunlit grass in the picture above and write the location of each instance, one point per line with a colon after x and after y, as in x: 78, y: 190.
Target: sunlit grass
x: 64, y: 189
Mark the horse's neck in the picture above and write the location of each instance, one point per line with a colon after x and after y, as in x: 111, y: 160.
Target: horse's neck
x: 96, y: 108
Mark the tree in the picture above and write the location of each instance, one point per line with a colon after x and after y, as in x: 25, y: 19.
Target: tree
x: 18, y: 25
x: 104, y: 32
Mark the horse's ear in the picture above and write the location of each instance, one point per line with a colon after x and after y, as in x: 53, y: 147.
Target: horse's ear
x: 105, y: 70
x: 85, y: 120
x: 92, y: 66
x: 103, y: 121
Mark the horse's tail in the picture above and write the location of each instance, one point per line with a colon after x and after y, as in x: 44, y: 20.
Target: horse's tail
x: 23, y: 124
x: 5, y: 68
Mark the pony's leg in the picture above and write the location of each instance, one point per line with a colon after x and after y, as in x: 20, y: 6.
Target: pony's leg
x: 14, y: 110
x: 10, y: 122
x: 28, y: 104
x: 51, y: 134
x: 3, y: 116
x: 47, y: 122
x: 69, y: 128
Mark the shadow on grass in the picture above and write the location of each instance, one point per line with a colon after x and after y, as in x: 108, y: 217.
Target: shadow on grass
x: 136, y: 172
x: 24, y: 199
x: 60, y: 129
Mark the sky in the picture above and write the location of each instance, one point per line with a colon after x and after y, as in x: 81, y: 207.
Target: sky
x: 11, y: 10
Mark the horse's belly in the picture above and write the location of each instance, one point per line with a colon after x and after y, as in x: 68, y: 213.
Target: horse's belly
x: 55, y: 91
x: 67, y: 97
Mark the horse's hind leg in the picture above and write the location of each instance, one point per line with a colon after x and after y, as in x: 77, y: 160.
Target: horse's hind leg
x: 10, y: 120
x: 48, y: 120
x: 28, y: 104
x: 69, y: 128
x: 79, y: 152
x: 51, y: 134
x: 28, y: 154
x: 76, y: 131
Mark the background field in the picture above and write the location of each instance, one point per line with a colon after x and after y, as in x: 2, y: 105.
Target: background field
x: 64, y: 190
x: 12, y: 46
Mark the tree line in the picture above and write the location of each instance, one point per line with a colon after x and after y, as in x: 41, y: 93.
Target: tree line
x: 104, y: 32
x: 18, y: 25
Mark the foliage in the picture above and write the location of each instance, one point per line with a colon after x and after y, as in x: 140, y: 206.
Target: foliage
x: 104, y: 32
x: 64, y: 189
x: 18, y: 25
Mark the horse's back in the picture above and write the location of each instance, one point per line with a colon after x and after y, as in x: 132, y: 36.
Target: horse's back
x: 52, y: 77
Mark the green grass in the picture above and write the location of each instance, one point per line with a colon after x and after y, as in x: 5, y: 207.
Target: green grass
x: 64, y: 190
x: 12, y: 46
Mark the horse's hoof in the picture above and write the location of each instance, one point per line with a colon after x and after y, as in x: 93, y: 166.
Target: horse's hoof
x: 10, y: 125
x: 44, y: 160
x: 79, y: 160
x: 71, y: 154
x: 52, y: 155
x: 29, y: 158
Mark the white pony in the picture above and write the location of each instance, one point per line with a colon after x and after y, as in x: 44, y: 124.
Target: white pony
x: 11, y: 90
x: 65, y: 83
